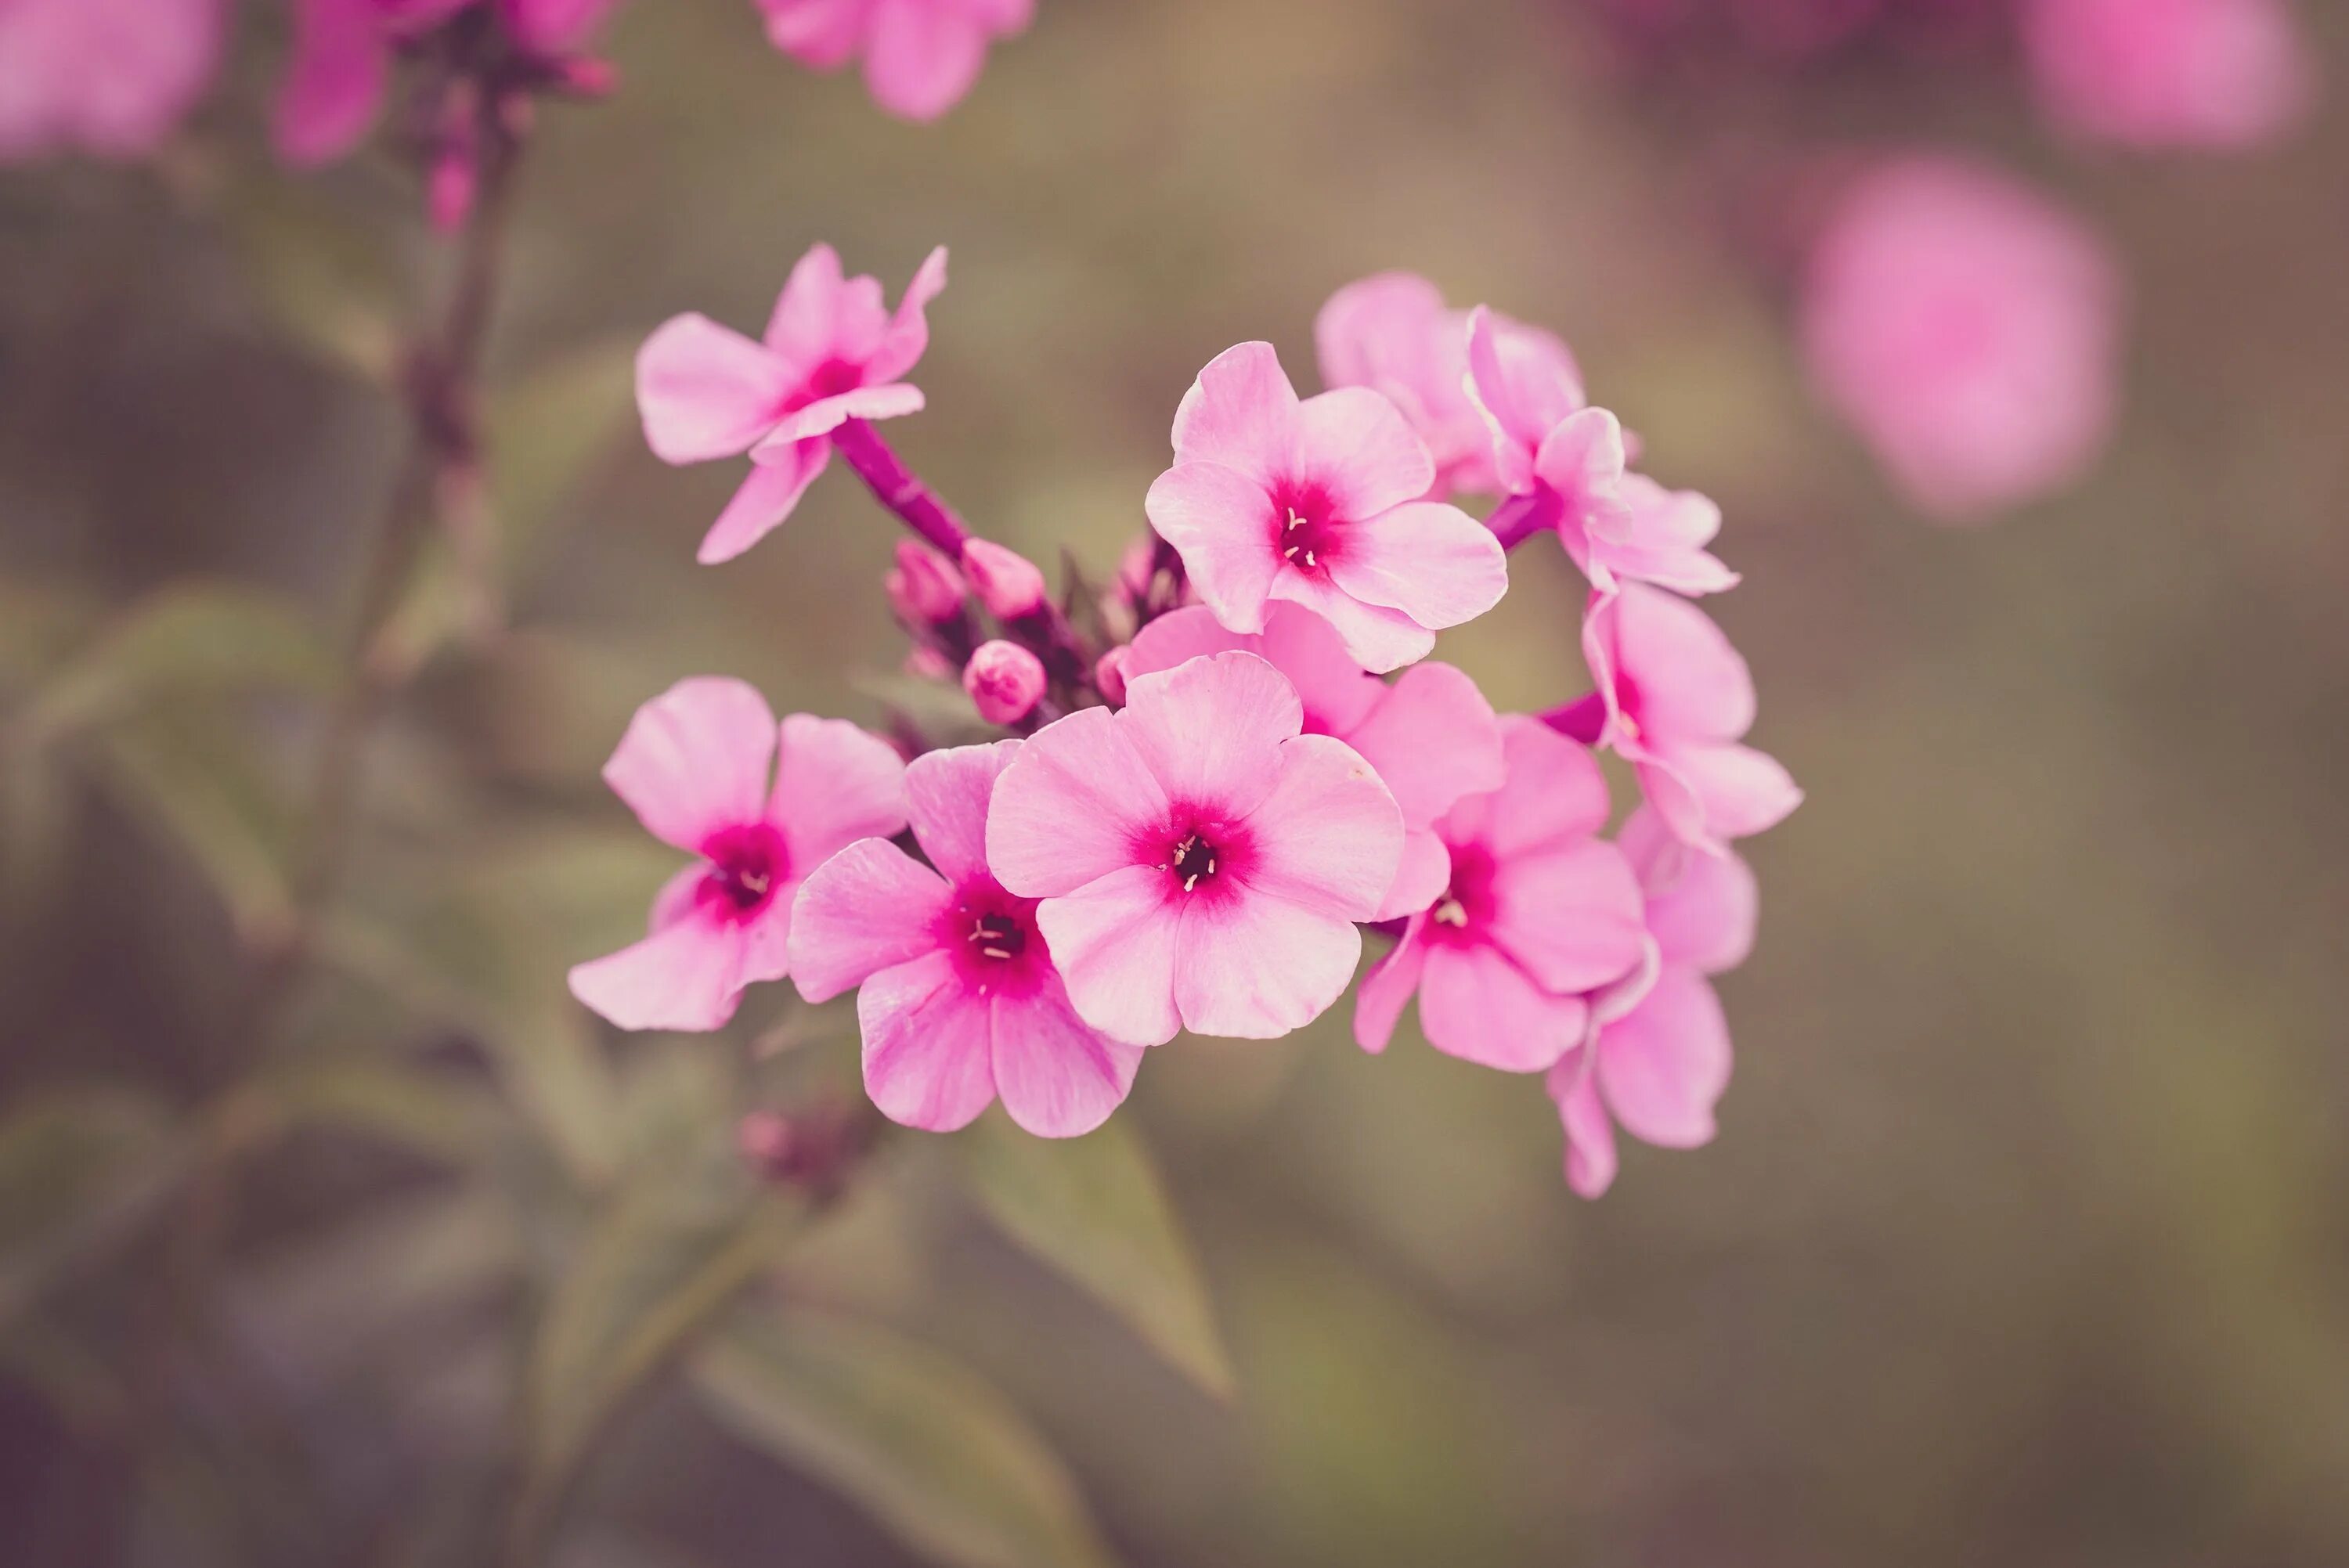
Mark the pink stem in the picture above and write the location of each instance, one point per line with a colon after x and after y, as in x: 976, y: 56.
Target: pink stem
x: 1521, y: 517
x: 1584, y: 719
x: 898, y: 488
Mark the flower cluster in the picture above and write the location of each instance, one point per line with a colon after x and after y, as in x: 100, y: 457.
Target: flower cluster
x: 1235, y: 762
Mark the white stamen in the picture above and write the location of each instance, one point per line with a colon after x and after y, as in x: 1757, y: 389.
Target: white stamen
x: 1294, y: 520
x: 1308, y: 558
x: 995, y: 952
x: 1290, y: 550
x: 1190, y: 881
x: 1449, y: 913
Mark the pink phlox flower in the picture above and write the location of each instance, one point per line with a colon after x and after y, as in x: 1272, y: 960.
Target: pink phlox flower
x: 1674, y: 699
x: 1536, y: 913
x: 110, y: 78
x: 694, y: 767
x: 1431, y: 736
x: 2227, y: 73
x: 961, y: 1003
x: 1393, y: 334
x: 921, y: 57
x: 1658, y: 1055
x: 1318, y: 502
x: 1200, y: 860
x: 833, y: 353
x: 1968, y: 329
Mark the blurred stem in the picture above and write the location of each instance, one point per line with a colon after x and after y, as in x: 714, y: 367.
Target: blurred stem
x: 898, y: 488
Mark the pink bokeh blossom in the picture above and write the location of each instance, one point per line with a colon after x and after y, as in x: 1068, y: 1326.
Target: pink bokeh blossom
x: 2226, y: 74
x: 694, y: 766
x: 1968, y: 329
x: 921, y: 57
x: 1318, y: 502
x: 110, y: 78
x: 833, y: 353
x: 1431, y: 735
x: 1536, y: 913
x: 961, y: 1003
x: 1201, y: 861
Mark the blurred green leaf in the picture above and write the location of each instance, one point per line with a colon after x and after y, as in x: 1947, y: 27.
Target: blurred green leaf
x: 1094, y: 1208
x: 39, y: 622
x: 544, y: 431
x: 79, y: 1170
x: 429, y: 1113
x: 330, y: 287
x: 938, y: 1454
x: 196, y: 783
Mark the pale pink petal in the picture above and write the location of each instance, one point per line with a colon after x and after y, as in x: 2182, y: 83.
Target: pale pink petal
x: 1388, y: 985
x: 1057, y: 1077
x: 1658, y: 536
x: 1220, y: 521
x: 1189, y: 633
x: 1210, y: 730
x: 1740, y: 790
x: 829, y: 414
x: 1432, y: 740
x: 1428, y: 559
x: 1691, y: 681
x: 1702, y: 909
x: 1374, y: 637
x: 1364, y: 454
x: 820, y: 34
x: 908, y: 336
x: 1523, y: 381
x: 1114, y: 941
x: 928, y: 1044
x: 868, y: 908
x: 688, y: 976
x: 766, y: 498
x: 1663, y: 1067
x: 705, y: 390
x: 1337, y: 692
x: 1590, y: 1134
x: 335, y: 83
x: 1420, y: 877
x: 835, y: 783
x: 555, y: 26
x: 1475, y: 1005
x: 946, y: 794
x: 1256, y: 966
x: 1571, y: 916
x: 802, y: 329
x: 1365, y: 326
x: 694, y: 760
x: 679, y: 897
x: 1327, y: 834
x: 1582, y: 457
x: 1240, y: 414
x: 1554, y: 793
x: 921, y: 58
x: 1069, y: 807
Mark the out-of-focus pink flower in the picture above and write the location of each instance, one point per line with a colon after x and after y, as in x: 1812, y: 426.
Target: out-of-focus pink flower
x: 921, y: 57
x: 1658, y: 1055
x: 960, y: 1001
x: 924, y: 587
x: 1432, y: 736
x: 1010, y: 585
x: 1318, y: 502
x: 2172, y: 73
x: 694, y: 767
x: 1537, y: 913
x: 1674, y: 699
x: 1393, y: 334
x: 833, y: 353
x: 111, y: 78
x: 1201, y: 861
x: 1004, y: 680
x: 1968, y: 330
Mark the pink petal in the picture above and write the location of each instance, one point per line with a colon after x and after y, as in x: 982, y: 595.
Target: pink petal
x: 1658, y: 536
x: 1189, y: 633
x: 1240, y: 414
x: 1327, y: 834
x: 1475, y: 1005
x: 1371, y: 322
x: 829, y: 414
x: 1739, y: 790
x: 1114, y: 941
x: 1663, y: 1067
x: 1691, y: 681
x: 835, y: 783
x: 921, y: 58
x: 1356, y: 443
x: 1374, y: 637
x: 1420, y: 877
x: 820, y: 34
x: 1388, y: 985
x: 694, y: 760
x: 806, y: 318
x: 705, y: 390
x: 868, y: 908
x: 946, y: 794
x: 1210, y: 731
x: 556, y: 26
x: 1256, y: 966
x: 335, y: 83
x: 1582, y: 457
x: 908, y: 336
x: 688, y: 977
x: 765, y: 500
x: 1057, y: 1078
x: 1337, y: 692
x: 1523, y: 381
x: 1219, y: 520
x: 1553, y: 794
x: 1702, y: 909
x: 1571, y: 916
x: 1589, y: 1135
x: 928, y: 1044
x: 1432, y: 740
x: 1431, y: 561
x: 1069, y: 807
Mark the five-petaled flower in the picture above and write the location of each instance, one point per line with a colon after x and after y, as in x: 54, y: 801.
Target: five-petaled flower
x: 921, y: 57
x: 961, y: 1003
x: 694, y: 766
x: 1318, y: 502
x: 1200, y: 861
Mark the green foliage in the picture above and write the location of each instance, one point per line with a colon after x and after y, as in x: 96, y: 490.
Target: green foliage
x: 80, y: 1169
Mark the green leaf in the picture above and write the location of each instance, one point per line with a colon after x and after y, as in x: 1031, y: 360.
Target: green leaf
x: 198, y: 784
x: 330, y: 287
x: 80, y: 1171
x: 936, y: 1454
x: 1093, y: 1207
x: 429, y: 1113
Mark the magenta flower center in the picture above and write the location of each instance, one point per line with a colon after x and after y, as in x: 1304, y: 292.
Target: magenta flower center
x: 992, y: 938
x: 1306, y: 531
x: 747, y: 865
x: 1195, y: 861
x: 996, y: 938
x: 1459, y: 917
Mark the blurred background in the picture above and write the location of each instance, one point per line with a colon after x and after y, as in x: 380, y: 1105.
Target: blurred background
x: 2023, y: 1240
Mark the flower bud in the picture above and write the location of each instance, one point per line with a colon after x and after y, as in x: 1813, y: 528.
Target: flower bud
x: 1109, y: 676
x: 928, y: 664
x: 1005, y: 681
x: 1006, y: 581
x: 924, y: 587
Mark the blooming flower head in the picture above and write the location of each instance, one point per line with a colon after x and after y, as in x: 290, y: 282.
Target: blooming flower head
x: 960, y: 1002
x: 1674, y: 700
x: 694, y: 766
x: 1658, y: 1055
x: 1318, y: 502
x: 833, y: 353
x: 921, y: 57
x: 1967, y: 329
x: 1431, y: 736
x: 1200, y: 861
x: 2172, y: 73
x: 111, y: 78
x: 1537, y: 913
x: 1393, y: 334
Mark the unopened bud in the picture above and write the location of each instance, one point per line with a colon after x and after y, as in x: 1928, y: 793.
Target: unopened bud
x: 1005, y: 681
x: 924, y: 587
x: 1109, y: 676
x: 1006, y: 581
